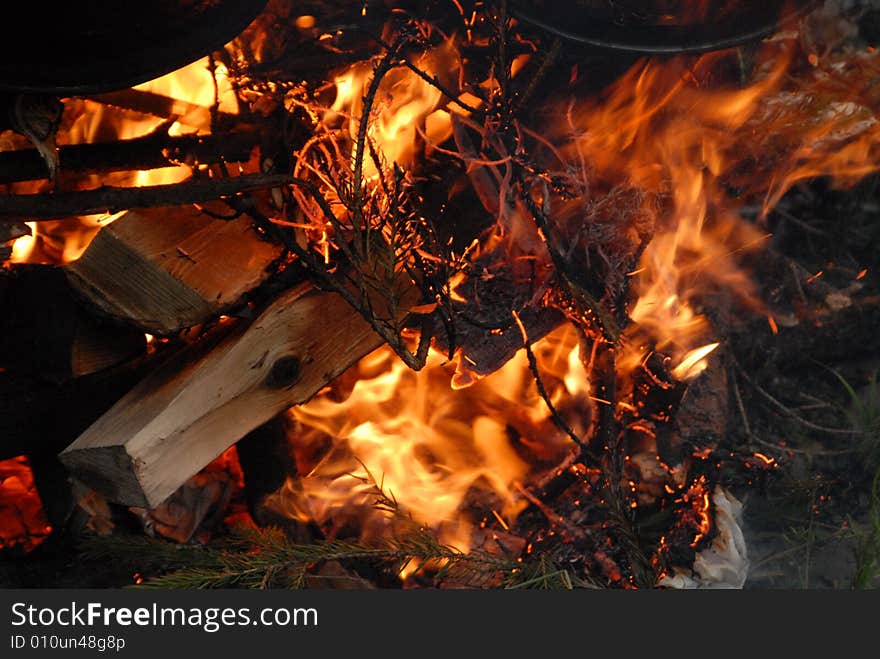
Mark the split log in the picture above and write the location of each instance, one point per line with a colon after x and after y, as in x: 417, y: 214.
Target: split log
x: 184, y: 415
x: 37, y: 416
x: 166, y: 269
x: 48, y: 335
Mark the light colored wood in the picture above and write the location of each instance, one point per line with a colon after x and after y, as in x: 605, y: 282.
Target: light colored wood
x: 165, y: 269
x: 188, y: 412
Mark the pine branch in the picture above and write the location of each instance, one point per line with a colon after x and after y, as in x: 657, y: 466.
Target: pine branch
x: 266, y: 558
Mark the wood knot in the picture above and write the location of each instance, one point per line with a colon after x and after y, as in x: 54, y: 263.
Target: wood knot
x: 284, y: 372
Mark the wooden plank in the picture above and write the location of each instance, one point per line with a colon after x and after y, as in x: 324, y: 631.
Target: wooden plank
x: 166, y: 269
x: 184, y: 415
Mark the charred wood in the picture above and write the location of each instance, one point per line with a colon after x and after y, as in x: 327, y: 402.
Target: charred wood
x: 152, y: 151
x: 109, y: 199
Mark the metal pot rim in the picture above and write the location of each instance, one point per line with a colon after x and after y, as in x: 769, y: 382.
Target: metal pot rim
x: 598, y: 29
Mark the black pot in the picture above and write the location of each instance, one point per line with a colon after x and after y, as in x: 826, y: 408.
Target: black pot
x: 661, y: 26
x: 72, y: 48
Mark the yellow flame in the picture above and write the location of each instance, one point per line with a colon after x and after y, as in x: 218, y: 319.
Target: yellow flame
x: 191, y: 91
x: 407, y: 109
x: 438, y: 452
x: 694, y: 362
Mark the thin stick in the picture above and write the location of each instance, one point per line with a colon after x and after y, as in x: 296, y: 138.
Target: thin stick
x: 787, y: 410
x: 434, y: 81
x: 742, y: 410
x: 549, y: 513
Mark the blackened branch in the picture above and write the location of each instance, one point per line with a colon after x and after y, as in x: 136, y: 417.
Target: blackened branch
x: 542, y: 390
x: 108, y: 199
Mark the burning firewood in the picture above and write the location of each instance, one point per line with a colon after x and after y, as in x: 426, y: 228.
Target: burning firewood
x: 184, y: 415
x: 151, y: 151
x: 52, y: 337
x: 113, y: 199
x: 163, y: 270
x: 555, y: 269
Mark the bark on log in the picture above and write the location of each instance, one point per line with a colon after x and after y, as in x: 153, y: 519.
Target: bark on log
x: 181, y: 417
x: 166, y: 269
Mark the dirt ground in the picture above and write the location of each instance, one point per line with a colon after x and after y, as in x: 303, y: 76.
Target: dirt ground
x: 810, y: 397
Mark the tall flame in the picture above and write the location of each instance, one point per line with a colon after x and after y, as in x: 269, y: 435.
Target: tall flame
x: 684, y: 143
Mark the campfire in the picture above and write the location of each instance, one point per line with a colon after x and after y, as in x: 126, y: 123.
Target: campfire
x: 445, y: 294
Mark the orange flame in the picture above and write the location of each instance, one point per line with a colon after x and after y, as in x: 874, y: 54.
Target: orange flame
x: 407, y: 109
x: 663, y: 130
x: 191, y: 90
x: 446, y: 457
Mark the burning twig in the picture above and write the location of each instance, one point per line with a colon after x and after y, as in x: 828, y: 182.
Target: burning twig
x: 352, y: 289
x: 542, y: 390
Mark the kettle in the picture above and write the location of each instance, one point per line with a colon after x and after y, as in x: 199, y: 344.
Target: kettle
x: 660, y: 26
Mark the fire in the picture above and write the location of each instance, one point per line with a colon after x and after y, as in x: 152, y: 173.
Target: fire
x: 191, y: 91
x: 406, y: 107
x: 665, y: 130
x: 449, y: 459
x: 648, y: 182
x: 23, y: 522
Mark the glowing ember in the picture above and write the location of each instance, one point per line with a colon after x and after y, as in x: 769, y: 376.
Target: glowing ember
x: 23, y: 523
